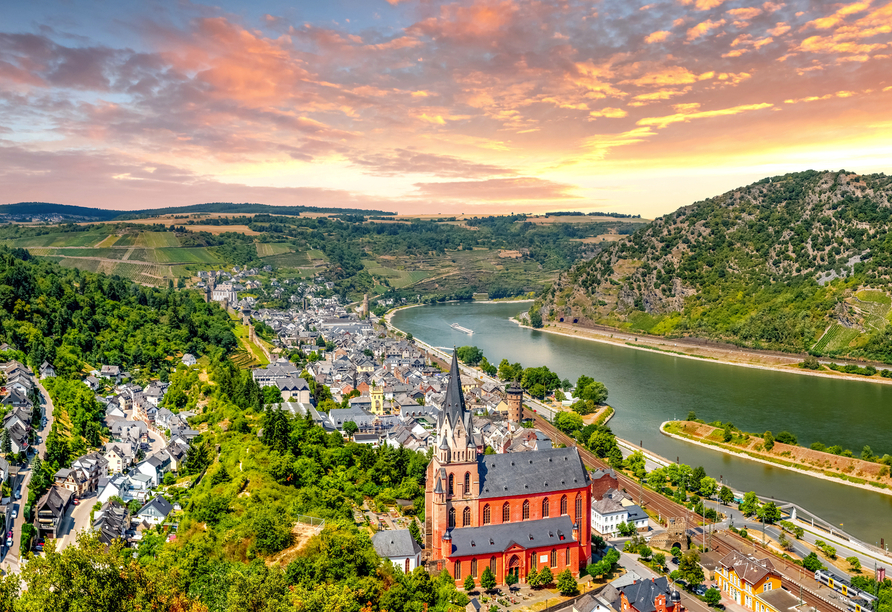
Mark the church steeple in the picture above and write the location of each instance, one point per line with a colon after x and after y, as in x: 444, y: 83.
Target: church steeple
x: 455, y: 427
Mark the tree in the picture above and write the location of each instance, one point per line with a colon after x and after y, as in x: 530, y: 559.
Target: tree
x: 768, y: 441
x: 5, y: 442
x: 536, y: 319
x: 708, y: 486
x: 644, y: 551
x: 487, y: 579
x: 470, y: 355
x: 350, y: 428
x: 626, y: 529
x: 689, y: 566
x: 785, y: 437
x: 545, y: 576
x: 470, y: 583
x: 511, y: 579
x: 750, y: 504
x: 854, y: 563
x: 692, y: 416
x: 727, y: 434
x: 566, y: 584
x: 532, y: 577
x: 568, y: 422
x: 712, y: 596
x: 697, y: 474
x: 616, y: 458
x: 590, y: 390
x: 635, y: 463
x: 812, y: 563
x: 415, y: 532
x: 769, y: 513
x: 660, y: 560
x: 726, y: 495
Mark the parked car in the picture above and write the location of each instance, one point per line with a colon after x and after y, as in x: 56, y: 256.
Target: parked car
x: 700, y: 590
x: 15, y: 512
x: 76, y: 501
x: 8, y: 542
x: 18, y: 493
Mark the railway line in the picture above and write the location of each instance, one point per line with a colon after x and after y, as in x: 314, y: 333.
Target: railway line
x: 722, y: 543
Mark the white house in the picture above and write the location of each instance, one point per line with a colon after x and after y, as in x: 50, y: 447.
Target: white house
x: 400, y: 547
x: 607, y: 514
x: 155, y: 511
x: 189, y: 359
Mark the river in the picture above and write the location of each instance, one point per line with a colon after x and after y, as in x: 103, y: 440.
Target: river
x: 648, y: 388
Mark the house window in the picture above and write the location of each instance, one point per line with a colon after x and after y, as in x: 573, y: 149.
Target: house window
x: 474, y: 567
x: 466, y: 518
x: 486, y: 515
x: 545, y: 508
x: 458, y: 570
x: 452, y: 517
x: 767, y: 587
x: 553, y: 557
x: 526, y: 509
x: 579, y: 510
x: 451, y: 484
x: 563, y: 504
x: 407, y: 566
x: 506, y: 513
x: 467, y: 490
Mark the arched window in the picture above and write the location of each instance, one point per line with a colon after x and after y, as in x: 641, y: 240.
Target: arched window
x: 567, y: 556
x: 474, y: 567
x: 492, y: 565
x: 458, y: 570
x: 466, y: 518
x: 407, y: 566
x: 451, y: 484
x: 467, y: 490
x: 486, y: 515
x: 563, y: 504
x: 553, y: 557
x: 545, y: 508
x: 579, y: 510
x: 506, y: 513
x: 452, y: 517
x: 526, y: 509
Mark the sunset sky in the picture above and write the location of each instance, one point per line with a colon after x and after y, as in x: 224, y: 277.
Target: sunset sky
x: 419, y: 106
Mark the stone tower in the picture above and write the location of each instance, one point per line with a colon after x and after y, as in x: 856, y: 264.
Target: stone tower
x: 365, y: 306
x: 515, y: 404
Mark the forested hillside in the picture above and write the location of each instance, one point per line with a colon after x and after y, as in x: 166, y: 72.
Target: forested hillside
x: 797, y: 262
x: 72, y: 318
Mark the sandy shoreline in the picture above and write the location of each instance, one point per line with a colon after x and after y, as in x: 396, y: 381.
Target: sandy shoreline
x: 820, y: 475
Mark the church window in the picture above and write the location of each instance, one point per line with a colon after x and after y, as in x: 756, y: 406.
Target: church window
x: 526, y: 509
x: 458, y: 570
x: 567, y: 556
x: 451, y: 484
x: 452, y: 517
x: 579, y: 510
x: 506, y: 513
x: 545, y: 508
x: 486, y: 515
x: 563, y: 504
x: 466, y: 518
x: 467, y: 490
x: 492, y: 565
x: 474, y: 567
x: 407, y: 566
x: 553, y: 557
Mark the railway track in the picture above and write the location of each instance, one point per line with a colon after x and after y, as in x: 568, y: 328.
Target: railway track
x: 724, y: 543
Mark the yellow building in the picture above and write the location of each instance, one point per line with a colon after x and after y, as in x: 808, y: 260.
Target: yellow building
x: 743, y: 578
x: 377, y: 395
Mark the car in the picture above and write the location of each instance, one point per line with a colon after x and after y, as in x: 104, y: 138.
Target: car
x: 18, y: 494
x: 76, y: 501
x: 675, y: 560
x: 15, y: 512
x: 8, y: 542
x: 700, y: 590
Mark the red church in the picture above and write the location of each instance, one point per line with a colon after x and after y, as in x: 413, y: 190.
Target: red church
x: 511, y: 512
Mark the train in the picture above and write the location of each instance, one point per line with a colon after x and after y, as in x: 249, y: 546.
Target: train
x: 856, y: 599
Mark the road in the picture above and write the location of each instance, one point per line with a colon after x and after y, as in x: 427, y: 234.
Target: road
x: 12, y: 559
x: 690, y: 602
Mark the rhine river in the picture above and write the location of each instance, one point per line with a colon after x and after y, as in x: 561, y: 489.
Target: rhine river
x: 648, y: 388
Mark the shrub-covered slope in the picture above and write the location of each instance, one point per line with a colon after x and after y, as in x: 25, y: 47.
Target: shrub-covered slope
x: 796, y: 262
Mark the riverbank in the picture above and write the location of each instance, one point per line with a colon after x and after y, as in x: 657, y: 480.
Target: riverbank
x: 779, y: 463
x: 747, y: 358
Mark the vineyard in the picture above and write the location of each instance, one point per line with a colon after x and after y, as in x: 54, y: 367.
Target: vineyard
x: 835, y: 339
x: 874, y: 307
x: 275, y: 248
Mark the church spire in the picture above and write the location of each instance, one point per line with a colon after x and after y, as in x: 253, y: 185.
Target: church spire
x: 454, y: 406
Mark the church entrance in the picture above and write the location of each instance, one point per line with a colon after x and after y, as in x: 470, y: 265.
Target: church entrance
x: 514, y: 568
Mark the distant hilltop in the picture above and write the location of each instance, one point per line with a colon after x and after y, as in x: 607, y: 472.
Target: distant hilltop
x: 57, y: 213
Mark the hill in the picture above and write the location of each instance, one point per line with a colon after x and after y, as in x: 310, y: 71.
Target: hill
x: 798, y: 262
x: 44, y: 211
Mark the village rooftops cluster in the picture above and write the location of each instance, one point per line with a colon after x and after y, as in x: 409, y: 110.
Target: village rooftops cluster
x: 18, y: 400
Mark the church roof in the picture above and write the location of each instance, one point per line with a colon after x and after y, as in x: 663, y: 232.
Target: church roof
x: 543, y: 471
x: 490, y: 539
x: 454, y: 406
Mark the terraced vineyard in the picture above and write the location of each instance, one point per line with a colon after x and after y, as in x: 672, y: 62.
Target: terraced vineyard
x: 835, y: 339
x: 397, y: 278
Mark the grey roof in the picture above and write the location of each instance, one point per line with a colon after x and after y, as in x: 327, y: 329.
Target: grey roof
x: 490, y: 539
x: 160, y: 504
x: 542, y: 471
x: 607, y: 506
x: 779, y: 599
x: 636, y: 513
x: 454, y: 406
x: 397, y: 543
x: 642, y: 594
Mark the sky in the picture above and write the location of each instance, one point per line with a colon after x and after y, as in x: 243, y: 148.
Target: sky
x: 419, y: 106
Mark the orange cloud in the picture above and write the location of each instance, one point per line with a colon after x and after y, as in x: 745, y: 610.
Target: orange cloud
x: 746, y: 13
x: 683, y: 117
x: 779, y: 29
x: 610, y: 113
x: 674, y: 75
x: 704, y: 27
x: 825, y: 23
x: 656, y: 37
x: 499, y: 190
x: 702, y: 5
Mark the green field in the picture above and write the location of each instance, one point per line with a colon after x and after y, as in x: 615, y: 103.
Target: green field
x: 274, y: 248
x: 185, y: 255
x: 836, y: 338
x: 155, y: 240
x: 397, y: 278
x: 289, y: 260
x: 65, y: 239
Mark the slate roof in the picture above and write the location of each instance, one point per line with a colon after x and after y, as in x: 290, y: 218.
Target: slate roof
x: 607, y: 506
x: 555, y: 469
x: 779, y: 599
x: 490, y: 539
x: 160, y: 504
x: 55, y: 500
x: 454, y: 405
x: 642, y: 594
x: 396, y: 543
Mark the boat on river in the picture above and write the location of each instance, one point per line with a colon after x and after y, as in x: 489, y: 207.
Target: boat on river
x: 458, y: 327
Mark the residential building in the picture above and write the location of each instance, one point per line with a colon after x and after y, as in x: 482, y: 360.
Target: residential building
x: 399, y: 547
x: 652, y: 595
x: 50, y: 510
x: 155, y: 511
x: 111, y: 522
